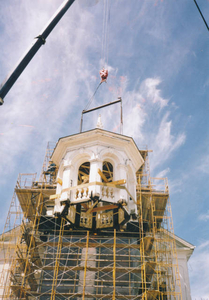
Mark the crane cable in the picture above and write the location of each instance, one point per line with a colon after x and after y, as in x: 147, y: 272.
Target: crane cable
x: 201, y: 15
x: 92, y: 97
x: 104, y: 52
x: 105, y: 34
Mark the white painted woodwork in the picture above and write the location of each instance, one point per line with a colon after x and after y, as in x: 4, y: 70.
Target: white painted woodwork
x: 97, y: 146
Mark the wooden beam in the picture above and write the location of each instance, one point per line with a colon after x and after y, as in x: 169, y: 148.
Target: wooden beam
x: 84, y: 206
x: 83, y: 173
x: 109, y: 172
x: 85, y: 178
x: 52, y: 197
x: 118, y: 182
x: 59, y: 180
x: 91, y: 208
x: 102, y: 176
x: 130, y: 195
x: 105, y: 207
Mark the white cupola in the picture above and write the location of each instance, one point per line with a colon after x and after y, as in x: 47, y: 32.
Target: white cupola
x: 96, y: 178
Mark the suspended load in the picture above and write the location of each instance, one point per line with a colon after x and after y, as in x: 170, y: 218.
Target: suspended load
x: 103, y: 74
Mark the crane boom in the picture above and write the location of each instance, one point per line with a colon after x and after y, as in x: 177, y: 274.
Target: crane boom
x: 40, y: 40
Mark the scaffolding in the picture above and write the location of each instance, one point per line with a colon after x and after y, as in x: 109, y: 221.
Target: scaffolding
x: 47, y: 258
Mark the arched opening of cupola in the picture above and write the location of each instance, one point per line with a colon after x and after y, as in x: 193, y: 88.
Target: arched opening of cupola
x: 83, y: 173
x: 107, y: 170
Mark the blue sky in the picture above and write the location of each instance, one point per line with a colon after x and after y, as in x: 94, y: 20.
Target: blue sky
x: 158, y: 56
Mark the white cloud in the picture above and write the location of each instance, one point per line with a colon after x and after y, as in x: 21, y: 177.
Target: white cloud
x: 165, y: 143
x: 32, y: 114
x: 203, y: 163
x: 199, y: 273
x: 204, y: 217
x: 176, y: 185
x: 139, y: 106
x: 152, y: 93
x: 147, y: 119
x: 163, y: 173
x: 134, y: 115
x: 85, y: 4
x: 48, y: 91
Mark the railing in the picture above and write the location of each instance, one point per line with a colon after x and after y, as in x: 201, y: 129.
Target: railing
x: 48, y: 154
x: 105, y: 191
x: 143, y: 180
x: 159, y: 184
x: 108, y: 193
x: 152, y: 183
x: 82, y: 194
x: 26, y: 180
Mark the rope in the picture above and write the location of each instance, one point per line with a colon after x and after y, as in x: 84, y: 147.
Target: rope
x: 105, y: 44
x: 107, y: 30
x: 105, y: 33
x: 92, y: 97
x: 108, y: 21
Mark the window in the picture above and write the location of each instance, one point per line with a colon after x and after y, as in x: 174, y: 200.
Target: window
x: 107, y: 170
x: 83, y: 173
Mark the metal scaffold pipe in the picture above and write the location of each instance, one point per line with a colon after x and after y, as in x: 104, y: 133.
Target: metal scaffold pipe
x: 40, y: 40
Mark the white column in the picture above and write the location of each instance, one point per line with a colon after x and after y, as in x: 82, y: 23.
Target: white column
x: 66, y: 180
x: 132, y: 207
x: 95, y: 164
x: 59, y: 175
x: 122, y: 174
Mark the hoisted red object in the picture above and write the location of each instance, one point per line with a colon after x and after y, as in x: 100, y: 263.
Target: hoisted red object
x: 103, y: 74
